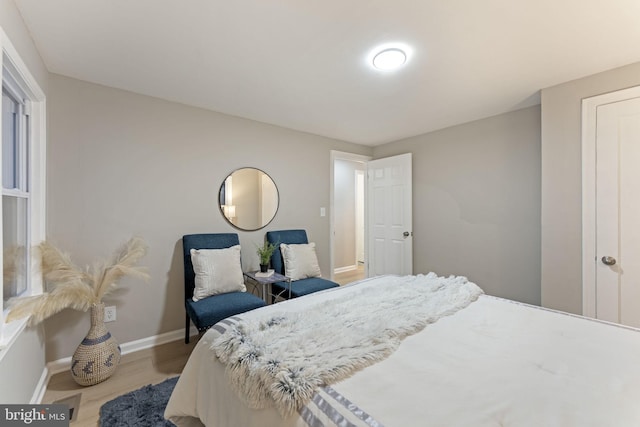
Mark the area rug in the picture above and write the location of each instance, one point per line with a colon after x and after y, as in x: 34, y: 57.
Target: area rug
x: 141, y: 408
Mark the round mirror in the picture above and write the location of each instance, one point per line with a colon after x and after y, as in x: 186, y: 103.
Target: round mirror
x: 248, y: 199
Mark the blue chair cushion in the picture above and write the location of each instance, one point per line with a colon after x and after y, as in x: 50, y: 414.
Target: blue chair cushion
x: 303, y: 287
x: 209, y: 311
x: 298, y: 287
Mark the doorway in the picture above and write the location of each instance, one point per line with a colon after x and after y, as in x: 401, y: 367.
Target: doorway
x: 348, y: 248
x: 370, y: 216
x: 611, y: 207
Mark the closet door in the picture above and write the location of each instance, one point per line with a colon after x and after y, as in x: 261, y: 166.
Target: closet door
x: 618, y: 212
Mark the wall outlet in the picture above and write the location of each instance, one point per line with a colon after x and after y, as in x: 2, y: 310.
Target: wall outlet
x: 110, y: 314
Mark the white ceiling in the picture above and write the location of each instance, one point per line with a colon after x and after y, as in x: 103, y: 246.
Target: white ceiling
x: 302, y: 64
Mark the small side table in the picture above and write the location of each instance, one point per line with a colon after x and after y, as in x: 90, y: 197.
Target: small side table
x: 266, y: 282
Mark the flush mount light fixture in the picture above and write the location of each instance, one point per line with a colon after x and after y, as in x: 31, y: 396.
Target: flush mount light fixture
x: 390, y: 59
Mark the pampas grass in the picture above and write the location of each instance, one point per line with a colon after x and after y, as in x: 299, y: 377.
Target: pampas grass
x: 11, y: 266
x: 74, y: 288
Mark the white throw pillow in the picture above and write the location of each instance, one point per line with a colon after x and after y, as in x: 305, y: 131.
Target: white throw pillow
x: 218, y: 271
x: 300, y: 261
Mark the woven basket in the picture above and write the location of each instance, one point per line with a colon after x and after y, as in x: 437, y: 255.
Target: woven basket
x: 98, y: 355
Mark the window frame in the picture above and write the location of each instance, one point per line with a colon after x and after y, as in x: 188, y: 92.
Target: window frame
x: 15, y: 91
x: 21, y: 167
x: 21, y: 81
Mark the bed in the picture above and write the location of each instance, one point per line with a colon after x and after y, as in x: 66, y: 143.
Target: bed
x: 490, y: 362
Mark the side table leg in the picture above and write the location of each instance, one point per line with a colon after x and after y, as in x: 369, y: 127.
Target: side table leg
x: 265, y: 295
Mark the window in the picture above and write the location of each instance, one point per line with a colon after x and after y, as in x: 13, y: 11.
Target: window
x: 15, y: 191
x: 22, y: 166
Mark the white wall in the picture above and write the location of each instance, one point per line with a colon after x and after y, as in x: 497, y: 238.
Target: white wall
x: 476, y: 202
x: 345, y: 212
x: 23, y: 363
x: 123, y: 164
x: 562, y: 183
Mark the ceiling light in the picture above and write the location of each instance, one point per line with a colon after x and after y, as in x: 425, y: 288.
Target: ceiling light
x: 389, y: 59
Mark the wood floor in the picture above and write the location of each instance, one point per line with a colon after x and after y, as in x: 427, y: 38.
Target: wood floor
x: 136, y: 370
x: 350, y: 276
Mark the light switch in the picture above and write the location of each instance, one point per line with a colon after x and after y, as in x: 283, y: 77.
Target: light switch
x: 323, y: 212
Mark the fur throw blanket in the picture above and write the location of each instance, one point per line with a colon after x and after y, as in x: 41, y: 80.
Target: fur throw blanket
x: 280, y: 360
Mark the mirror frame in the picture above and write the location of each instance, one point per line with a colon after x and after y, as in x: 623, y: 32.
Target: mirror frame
x: 221, y: 199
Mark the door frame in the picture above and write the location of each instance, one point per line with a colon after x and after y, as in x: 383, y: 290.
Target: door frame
x: 342, y: 155
x: 589, y: 255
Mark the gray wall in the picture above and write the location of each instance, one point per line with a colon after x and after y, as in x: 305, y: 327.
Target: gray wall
x: 561, y: 183
x: 476, y: 202
x: 23, y: 363
x: 123, y: 164
x: 14, y: 27
x: 22, y: 367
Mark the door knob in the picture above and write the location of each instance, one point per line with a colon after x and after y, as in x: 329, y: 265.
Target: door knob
x: 406, y: 234
x: 608, y: 260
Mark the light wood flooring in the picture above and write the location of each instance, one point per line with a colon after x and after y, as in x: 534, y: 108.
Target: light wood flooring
x: 350, y: 276
x: 136, y: 370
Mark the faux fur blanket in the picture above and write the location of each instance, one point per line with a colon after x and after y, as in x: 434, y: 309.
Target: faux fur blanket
x: 280, y: 360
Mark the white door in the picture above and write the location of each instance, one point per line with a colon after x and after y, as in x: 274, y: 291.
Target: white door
x: 618, y: 212
x: 390, y: 216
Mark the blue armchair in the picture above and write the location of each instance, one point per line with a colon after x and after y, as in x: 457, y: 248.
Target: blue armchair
x: 207, y: 312
x: 298, y: 287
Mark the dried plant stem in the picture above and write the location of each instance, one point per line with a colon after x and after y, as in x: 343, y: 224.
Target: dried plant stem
x: 74, y: 288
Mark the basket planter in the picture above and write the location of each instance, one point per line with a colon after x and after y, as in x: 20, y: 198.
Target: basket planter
x: 98, y: 355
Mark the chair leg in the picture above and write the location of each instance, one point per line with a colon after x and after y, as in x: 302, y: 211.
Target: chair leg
x: 186, y: 330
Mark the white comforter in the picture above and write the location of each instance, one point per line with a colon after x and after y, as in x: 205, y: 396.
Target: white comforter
x: 494, y: 363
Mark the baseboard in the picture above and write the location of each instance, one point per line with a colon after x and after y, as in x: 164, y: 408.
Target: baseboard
x: 345, y: 269
x: 64, y: 364
x: 41, y: 387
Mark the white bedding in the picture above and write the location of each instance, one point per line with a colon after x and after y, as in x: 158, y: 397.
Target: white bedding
x: 493, y: 363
